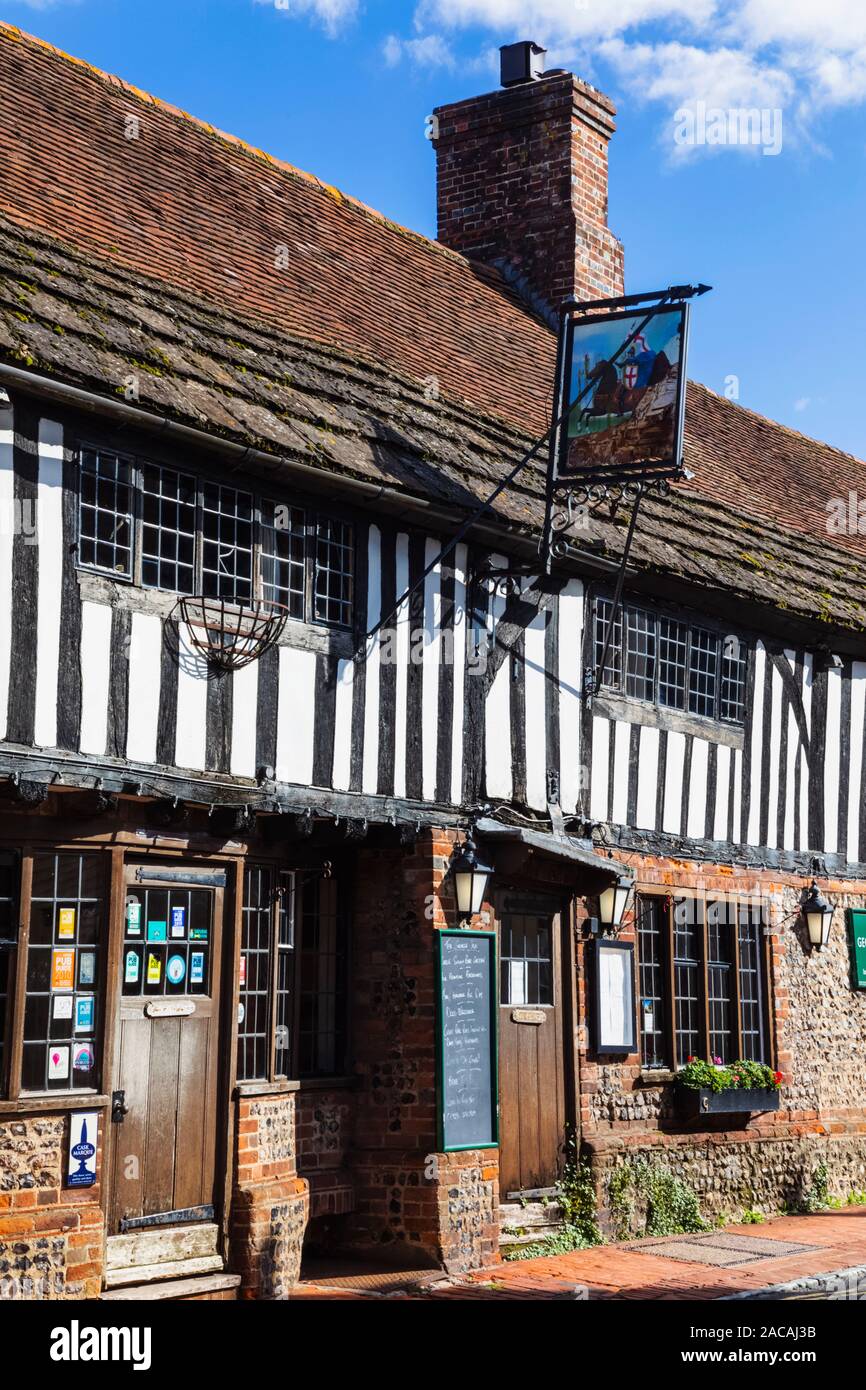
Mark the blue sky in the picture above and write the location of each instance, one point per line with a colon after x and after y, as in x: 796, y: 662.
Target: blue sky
x: 342, y: 87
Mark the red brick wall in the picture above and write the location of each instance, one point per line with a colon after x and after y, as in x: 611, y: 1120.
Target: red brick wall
x: 523, y: 177
x: 441, y: 1207
x: 51, y: 1237
x: 270, y: 1201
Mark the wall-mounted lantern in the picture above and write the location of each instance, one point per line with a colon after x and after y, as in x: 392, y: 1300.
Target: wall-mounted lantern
x: 818, y: 915
x: 612, y: 903
x: 471, y: 873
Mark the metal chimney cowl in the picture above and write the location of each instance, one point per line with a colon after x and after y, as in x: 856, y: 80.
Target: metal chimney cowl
x: 521, y: 62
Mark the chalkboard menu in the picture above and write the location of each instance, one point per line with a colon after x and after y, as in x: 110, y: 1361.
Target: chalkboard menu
x: 467, y: 1040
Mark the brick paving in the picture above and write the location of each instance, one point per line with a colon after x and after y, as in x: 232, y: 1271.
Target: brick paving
x: 615, y: 1272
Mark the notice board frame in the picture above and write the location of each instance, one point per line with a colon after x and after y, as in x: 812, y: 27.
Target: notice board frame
x: 441, y: 1137
x: 856, y: 923
x: 600, y: 1046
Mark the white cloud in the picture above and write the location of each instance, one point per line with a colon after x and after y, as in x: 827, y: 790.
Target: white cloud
x: 802, y: 403
x: 802, y: 55
x: 431, y: 51
x: 562, y: 19
x: 334, y: 15
x: 680, y: 75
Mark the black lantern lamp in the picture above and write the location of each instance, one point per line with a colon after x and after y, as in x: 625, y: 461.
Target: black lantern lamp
x: 612, y: 903
x: 818, y: 913
x: 471, y: 873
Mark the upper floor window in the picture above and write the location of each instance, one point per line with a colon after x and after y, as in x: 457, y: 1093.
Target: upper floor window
x: 165, y: 529
x: 670, y: 662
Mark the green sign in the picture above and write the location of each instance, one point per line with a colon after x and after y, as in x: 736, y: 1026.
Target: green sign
x: 857, y: 924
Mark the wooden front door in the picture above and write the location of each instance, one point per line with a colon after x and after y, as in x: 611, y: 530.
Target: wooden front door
x: 165, y: 1117
x: 532, y: 1067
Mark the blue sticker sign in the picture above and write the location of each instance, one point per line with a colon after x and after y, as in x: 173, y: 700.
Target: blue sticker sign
x: 132, y: 968
x: 84, y: 1013
x: 178, y: 921
x: 196, y: 968
x: 81, y: 1162
x: 175, y: 970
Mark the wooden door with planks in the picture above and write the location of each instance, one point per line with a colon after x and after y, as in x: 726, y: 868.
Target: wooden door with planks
x: 532, y: 1064
x: 165, y: 1106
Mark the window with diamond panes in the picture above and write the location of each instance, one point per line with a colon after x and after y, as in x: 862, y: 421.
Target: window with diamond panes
x: 168, y: 529
x: 8, y: 951
x: 666, y: 661
x: 105, y: 515
x: 703, y: 979
x: 63, y: 982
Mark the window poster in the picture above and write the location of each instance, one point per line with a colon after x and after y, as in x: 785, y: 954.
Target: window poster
x: 61, y: 1006
x: 133, y: 917
x: 131, y: 968
x: 62, y: 969
x: 86, y: 968
x: 83, y: 1056
x: 196, y: 968
x: 58, y: 1063
x: 178, y: 921
x: 175, y: 970
x: 85, y: 1013
x: 157, y: 931
x: 66, y: 924
x: 83, y: 1134
x: 154, y: 969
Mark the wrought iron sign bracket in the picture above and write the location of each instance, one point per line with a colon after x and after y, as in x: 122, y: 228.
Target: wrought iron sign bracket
x: 563, y: 496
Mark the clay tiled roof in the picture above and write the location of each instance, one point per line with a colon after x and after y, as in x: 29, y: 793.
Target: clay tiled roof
x: 249, y: 297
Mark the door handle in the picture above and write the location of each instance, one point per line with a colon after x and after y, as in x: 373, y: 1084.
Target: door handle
x: 119, y: 1107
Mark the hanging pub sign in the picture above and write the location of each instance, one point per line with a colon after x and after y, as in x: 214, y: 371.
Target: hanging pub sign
x: 624, y: 386
x: 468, y: 1086
x: 613, y: 998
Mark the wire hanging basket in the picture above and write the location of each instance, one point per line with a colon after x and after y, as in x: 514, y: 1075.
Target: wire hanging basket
x: 228, y: 634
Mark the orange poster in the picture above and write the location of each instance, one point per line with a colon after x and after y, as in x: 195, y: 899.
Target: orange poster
x: 62, y: 969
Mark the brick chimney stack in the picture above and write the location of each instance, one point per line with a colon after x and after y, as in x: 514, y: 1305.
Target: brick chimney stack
x: 522, y: 182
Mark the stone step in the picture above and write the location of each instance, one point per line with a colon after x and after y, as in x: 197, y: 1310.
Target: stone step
x: 167, y: 1269
x: 155, y: 1243
x: 533, y: 1214
x: 207, y: 1288
x: 162, y: 1252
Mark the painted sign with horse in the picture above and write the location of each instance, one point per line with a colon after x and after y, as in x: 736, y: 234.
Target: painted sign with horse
x: 625, y: 378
